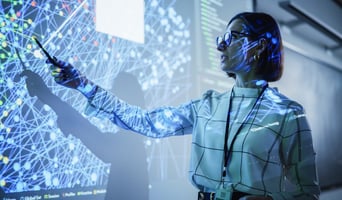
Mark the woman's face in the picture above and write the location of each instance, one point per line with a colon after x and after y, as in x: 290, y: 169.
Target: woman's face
x: 236, y: 57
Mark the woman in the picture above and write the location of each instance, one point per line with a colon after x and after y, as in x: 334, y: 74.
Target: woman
x: 264, y: 151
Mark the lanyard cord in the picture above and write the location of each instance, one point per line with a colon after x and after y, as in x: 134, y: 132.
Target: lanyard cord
x: 227, y: 153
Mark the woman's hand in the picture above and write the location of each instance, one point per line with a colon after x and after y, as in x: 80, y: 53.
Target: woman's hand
x: 67, y: 75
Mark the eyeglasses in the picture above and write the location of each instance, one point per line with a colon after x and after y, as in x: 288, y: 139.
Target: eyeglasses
x: 224, y: 42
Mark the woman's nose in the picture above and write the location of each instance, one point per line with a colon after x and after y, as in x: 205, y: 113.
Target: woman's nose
x: 222, y: 46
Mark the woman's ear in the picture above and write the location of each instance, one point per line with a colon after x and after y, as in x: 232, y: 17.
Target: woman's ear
x: 259, y: 48
x: 261, y: 45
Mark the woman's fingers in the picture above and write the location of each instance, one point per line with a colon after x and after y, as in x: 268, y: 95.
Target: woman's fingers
x: 56, y: 71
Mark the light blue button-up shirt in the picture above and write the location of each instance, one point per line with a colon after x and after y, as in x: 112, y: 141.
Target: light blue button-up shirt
x: 272, y: 153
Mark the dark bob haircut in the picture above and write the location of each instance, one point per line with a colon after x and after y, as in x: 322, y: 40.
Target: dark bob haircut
x: 261, y: 25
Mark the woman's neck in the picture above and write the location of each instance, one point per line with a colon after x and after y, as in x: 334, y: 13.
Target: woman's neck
x: 250, y: 83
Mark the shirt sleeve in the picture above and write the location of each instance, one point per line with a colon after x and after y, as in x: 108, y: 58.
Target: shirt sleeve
x: 158, y: 123
x: 299, y: 167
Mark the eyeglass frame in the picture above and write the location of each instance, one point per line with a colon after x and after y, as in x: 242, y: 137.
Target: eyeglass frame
x: 223, y: 43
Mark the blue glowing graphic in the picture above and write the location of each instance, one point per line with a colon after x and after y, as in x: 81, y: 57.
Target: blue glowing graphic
x: 36, y: 152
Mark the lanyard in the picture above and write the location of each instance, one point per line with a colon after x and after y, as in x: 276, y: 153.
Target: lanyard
x: 227, y: 153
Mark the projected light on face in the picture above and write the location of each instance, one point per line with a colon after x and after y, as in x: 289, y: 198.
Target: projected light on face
x: 34, y: 153
x: 235, y: 46
x: 243, y: 34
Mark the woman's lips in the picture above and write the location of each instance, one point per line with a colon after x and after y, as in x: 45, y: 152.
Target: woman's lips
x: 224, y: 58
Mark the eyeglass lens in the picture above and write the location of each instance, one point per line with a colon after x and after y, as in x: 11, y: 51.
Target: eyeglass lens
x: 223, y: 42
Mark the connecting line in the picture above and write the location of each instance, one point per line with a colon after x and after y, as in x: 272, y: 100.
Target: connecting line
x: 65, y: 22
x: 21, y: 61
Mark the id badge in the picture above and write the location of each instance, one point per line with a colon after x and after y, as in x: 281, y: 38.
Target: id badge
x: 223, y: 194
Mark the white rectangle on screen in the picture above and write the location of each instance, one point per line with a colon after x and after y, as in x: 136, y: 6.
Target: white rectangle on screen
x: 121, y: 18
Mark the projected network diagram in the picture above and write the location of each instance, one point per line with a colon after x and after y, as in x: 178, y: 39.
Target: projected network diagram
x: 35, y: 153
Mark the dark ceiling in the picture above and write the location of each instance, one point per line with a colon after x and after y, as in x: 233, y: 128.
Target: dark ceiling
x: 312, y: 28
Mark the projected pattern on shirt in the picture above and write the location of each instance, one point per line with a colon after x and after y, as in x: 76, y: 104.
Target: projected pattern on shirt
x: 34, y: 153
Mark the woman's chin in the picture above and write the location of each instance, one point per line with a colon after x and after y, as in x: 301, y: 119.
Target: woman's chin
x: 224, y: 67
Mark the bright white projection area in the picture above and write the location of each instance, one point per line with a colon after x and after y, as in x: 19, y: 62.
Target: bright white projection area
x: 124, y: 19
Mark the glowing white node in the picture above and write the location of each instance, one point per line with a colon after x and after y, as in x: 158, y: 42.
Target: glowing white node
x: 160, y: 39
x: 161, y: 11
x: 168, y: 113
x: 27, y: 165
x: 147, y: 28
x: 105, y: 56
x: 10, y: 141
x: 94, y: 62
x: 52, y: 45
x: 93, y: 177
x: 36, y: 188
x: 10, y: 84
x: 48, y: 182
x: 20, y: 186
x: 74, y: 160
x: 163, y: 22
x: 46, y: 108
x: 132, y: 54
x: 154, y: 3
x: 16, y: 118
x: 50, y: 122
x: 16, y: 166
x: 148, y: 142
x: 55, y: 182
x: 47, y: 175
x: 38, y: 54
x: 53, y: 136
x: 71, y: 146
